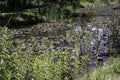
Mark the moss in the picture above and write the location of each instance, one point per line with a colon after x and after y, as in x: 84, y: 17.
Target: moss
x: 28, y: 14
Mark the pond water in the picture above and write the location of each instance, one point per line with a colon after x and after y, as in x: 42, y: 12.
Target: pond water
x: 93, y: 63
x: 85, y: 38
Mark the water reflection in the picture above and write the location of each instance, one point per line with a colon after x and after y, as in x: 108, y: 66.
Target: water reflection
x: 98, y: 44
x: 98, y: 36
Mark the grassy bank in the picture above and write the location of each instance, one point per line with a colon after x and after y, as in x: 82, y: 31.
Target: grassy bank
x: 110, y: 71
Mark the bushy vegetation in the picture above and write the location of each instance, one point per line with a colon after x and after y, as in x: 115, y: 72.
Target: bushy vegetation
x: 44, y: 59
x: 20, y: 63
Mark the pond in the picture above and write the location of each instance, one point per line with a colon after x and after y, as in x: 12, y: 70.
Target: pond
x: 85, y: 38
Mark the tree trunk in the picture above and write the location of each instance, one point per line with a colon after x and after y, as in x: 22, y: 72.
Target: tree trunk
x: 38, y: 1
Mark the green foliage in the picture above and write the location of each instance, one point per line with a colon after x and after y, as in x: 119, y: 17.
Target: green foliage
x: 45, y: 68
x: 11, y: 66
x: 20, y: 63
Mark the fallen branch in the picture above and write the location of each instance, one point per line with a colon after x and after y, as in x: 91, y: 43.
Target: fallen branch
x: 9, y: 20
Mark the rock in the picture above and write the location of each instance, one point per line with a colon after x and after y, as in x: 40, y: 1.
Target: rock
x: 117, y: 78
x: 116, y: 7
